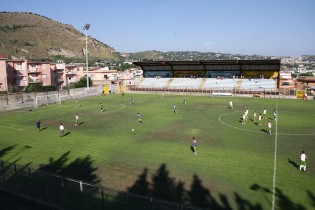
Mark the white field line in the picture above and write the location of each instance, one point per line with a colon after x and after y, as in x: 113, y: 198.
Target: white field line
x: 275, y: 162
x: 243, y: 129
x: 3, y: 126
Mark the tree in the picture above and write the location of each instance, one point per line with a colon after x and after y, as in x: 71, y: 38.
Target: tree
x: 82, y: 83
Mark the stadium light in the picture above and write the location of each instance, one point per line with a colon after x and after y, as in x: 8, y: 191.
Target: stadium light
x: 86, y: 27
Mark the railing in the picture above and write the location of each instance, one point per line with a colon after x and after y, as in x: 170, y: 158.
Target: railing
x: 71, y: 72
x: 262, y: 92
x: 34, y: 80
x: 34, y: 71
x: 61, y: 192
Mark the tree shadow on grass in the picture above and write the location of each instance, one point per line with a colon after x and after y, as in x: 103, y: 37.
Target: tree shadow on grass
x: 80, y: 168
x: 141, y: 186
x: 312, y: 198
x: 165, y: 187
x: 282, y: 200
x: 5, y: 151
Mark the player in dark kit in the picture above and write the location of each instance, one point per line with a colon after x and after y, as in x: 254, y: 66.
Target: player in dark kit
x: 38, y: 125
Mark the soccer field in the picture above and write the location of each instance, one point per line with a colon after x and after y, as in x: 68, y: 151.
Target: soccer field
x: 238, y: 166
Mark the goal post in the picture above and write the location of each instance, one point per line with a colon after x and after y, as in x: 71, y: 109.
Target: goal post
x: 47, y: 99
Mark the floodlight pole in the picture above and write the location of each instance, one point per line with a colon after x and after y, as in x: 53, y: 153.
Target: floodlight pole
x: 86, y: 28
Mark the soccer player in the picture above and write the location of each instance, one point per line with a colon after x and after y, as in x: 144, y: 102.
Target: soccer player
x: 269, y: 127
x: 139, y: 117
x: 255, y: 115
x: 62, y: 130
x: 132, y: 102
x: 244, y: 118
x: 275, y: 115
x: 303, y: 159
x: 76, y: 120
x: 162, y: 94
x: 259, y: 119
x: 102, y: 109
x: 76, y: 103
x: 231, y: 105
x: 38, y: 125
x: 246, y: 113
x: 264, y: 113
x: 174, y: 108
x: 194, y: 145
x: 184, y: 101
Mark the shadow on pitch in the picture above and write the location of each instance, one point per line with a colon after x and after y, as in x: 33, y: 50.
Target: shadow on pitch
x: 5, y: 151
x: 192, y: 149
x: 312, y: 198
x: 66, y: 134
x: 79, y: 168
x: 264, y: 130
x: 294, y: 164
x: 162, y: 185
x: 43, y: 129
x: 283, y: 201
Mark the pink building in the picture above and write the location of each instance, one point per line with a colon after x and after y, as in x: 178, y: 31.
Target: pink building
x: 73, y: 73
x: 39, y: 73
x: 16, y: 74
x: 3, y: 75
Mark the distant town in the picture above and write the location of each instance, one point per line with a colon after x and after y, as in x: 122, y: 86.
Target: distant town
x: 302, y: 64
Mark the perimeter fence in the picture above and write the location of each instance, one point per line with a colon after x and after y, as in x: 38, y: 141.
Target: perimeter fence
x: 60, y: 192
x: 292, y: 93
x: 23, y: 99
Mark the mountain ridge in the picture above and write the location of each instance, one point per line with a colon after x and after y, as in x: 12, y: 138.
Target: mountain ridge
x: 35, y: 37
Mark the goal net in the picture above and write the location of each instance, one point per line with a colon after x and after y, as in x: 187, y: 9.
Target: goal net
x: 45, y: 100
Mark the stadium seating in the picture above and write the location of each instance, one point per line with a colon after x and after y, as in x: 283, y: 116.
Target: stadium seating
x: 154, y: 83
x: 181, y: 83
x: 258, y: 84
x: 213, y: 83
x: 209, y: 83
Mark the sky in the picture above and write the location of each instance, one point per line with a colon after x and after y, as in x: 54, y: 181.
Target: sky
x: 261, y: 27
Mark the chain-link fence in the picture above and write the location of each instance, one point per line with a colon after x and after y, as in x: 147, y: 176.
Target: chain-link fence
x: 34, y: 99
x: 61, y: 192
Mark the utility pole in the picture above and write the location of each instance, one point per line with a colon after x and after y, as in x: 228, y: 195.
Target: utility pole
x: 86, y: 27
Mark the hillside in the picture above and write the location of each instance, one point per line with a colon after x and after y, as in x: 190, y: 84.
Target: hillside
x: 39, y: 38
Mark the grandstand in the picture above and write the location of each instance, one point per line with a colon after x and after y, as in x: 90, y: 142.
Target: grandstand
x: 154, y: 83
x: 254, y: 75
x: 185, y: 83
x: 208, y: 84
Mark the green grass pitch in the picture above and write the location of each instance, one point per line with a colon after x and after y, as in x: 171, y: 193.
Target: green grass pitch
x: 235, y: 162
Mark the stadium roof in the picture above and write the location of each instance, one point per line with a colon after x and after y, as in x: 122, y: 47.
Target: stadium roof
x: 209, y: 62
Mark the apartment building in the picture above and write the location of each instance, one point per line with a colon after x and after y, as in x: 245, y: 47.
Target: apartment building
x: 16, y: 74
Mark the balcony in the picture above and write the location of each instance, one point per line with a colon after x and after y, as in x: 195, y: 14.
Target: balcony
x: 60, y: 80
x: 34, y: 71
x: 60, y: 71
x: 34, y: 81
x: 71, y: 72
